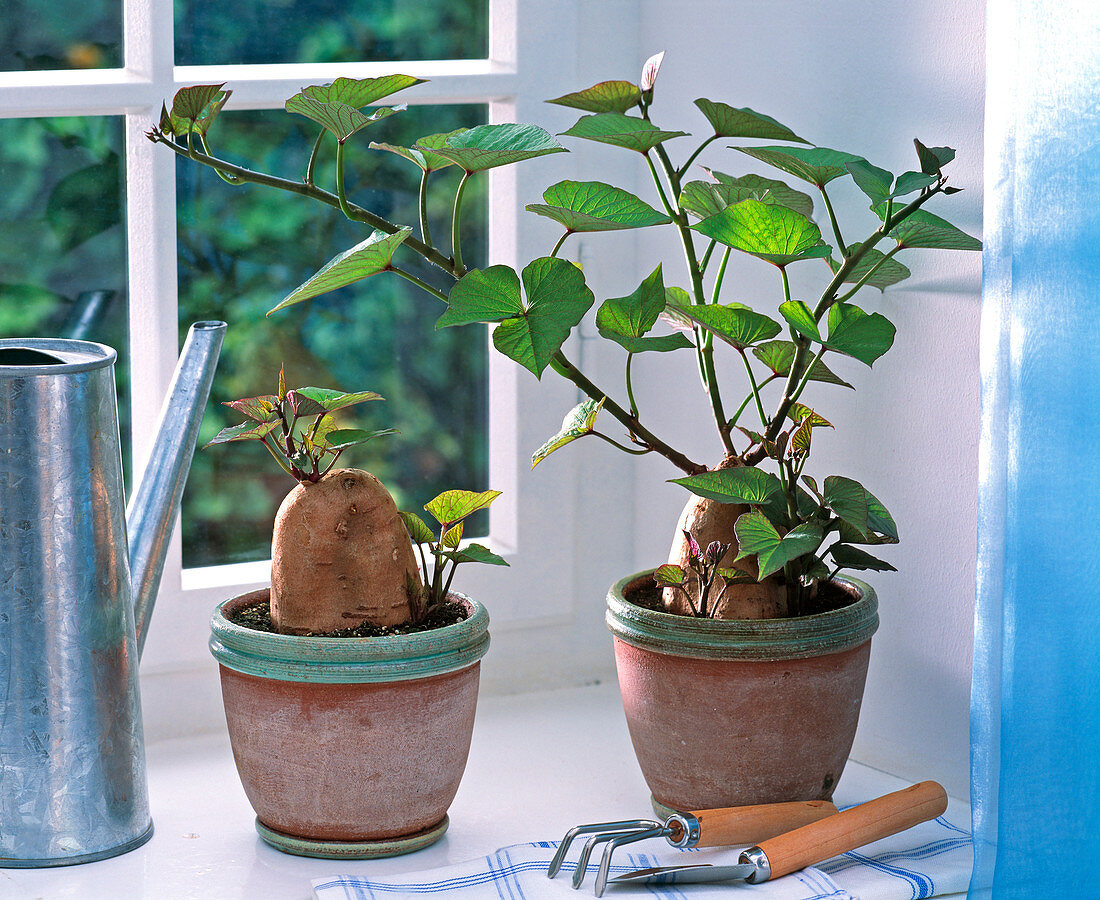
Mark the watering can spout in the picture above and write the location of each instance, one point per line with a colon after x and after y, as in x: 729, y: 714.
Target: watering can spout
x: 151, y: 514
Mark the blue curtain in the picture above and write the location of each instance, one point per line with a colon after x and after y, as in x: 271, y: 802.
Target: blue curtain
x: 1035, y: 709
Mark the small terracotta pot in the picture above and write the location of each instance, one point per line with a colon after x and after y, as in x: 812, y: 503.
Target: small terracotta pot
x: 350, y: 747
x: 738, y: 712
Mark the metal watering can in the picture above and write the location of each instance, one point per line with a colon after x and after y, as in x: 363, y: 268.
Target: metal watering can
x: 72, y: 757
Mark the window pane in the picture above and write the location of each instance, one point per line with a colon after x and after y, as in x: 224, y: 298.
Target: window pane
x: 60, y: 34
x: 62, y: 237
x: 212, y: 32
x: 242, y: 249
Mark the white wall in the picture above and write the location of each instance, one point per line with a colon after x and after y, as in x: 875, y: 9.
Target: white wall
x: 866, y: 77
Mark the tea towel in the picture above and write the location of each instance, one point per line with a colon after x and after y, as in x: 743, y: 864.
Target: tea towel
x: 930, y: 860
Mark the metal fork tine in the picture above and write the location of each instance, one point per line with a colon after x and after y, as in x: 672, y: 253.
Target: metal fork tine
x: 578, y: 830
x: 655, y: 829
x: 612, y: 846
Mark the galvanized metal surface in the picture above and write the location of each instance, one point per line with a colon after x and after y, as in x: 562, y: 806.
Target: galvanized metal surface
x: 72, y: 759
x: 743, y: 639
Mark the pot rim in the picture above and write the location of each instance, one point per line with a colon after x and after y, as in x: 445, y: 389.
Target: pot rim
x: 349, y: 660
x: 799, y: 637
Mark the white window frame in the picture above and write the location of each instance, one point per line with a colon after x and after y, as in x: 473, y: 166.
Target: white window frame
x: 533, y: 48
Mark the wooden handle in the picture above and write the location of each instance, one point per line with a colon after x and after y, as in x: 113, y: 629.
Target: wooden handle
x: 854, y: 827
x: 753, y: 824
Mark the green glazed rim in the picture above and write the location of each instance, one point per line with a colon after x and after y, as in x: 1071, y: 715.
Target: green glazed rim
x: 321, y: 660
x: 744, y: 639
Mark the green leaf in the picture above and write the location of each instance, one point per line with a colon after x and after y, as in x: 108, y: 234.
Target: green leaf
x: 911, y: 181
x: 422, y: 154
x: 890, y: 272
x: 778, y: 356
x: 330, y: 400
x: 924, y: 230
x: 578, y: 422
x: 339, y: 119
x: 856, y: 334
x: 735, y: 323
x: 668, y: 575
x: 704, y: 199
x: 801, y: 438
x: 799, y: 412
x: 342, y: 438
x: 756, y: 536
x: 302, y: 405
x: 454, y: 506
x: 607, y: 96
x: 362, y: 261
x: 872, y: 180
x: 246, y: 432
x: 741, y: 484
x: 418, y: 530
x: 661, y: 343
x: 452, y: 537
x: 489, y: 146
x: 773, y: 233
x: 594, y: 206
x: 767, y: 190
x: 858, y: 507
x: 817, y: 165
x: 852, y: 535
x: 634, y: 315
x: 629, y: 132
x: 476, y: 553
x: 359, y: 92
x: 194, y: 109
x: 729, y: 121
x: 557, y: 299
x: 932, y: 159
x: 801, y: 318
x: 847, y: 557
x: 259, y: 409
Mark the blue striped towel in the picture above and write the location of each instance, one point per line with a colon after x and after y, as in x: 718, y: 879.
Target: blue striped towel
x: 929, y: 860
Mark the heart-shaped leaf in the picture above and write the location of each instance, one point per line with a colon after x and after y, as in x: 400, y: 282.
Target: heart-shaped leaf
x: 778, y: 356
x: 852, y: 535
x: 248, y: 431
x: 932, y: 159
x: 800, y: 413
x: 911, y: 181
x: 342, y: 438
x: 594, y: 206
x: 817, y: 165
x: 452, y: 537
x: 736, y: 324
x: 578, y: 422
x: 704, y: 198
x: 488, y: 146
x: 856, y: 334
x: 607, y: 96
x: 476, y: 553
x: 339, y: 119
x: 194, y: 109
x: 858, y: 507
x: 669, y: 575
x: 756, y: 536
x: 872, y: 180
x: 729, y: 121
x: 454, y: 506
x: 418, y: 530
x: 848, y: 557
x: 924, y: 230
x: 801, y: 438
x: 302, y: 405
x: 259, y: 409
x: 741, y: 484
x: 801, y: 318
x: 359, y: 92
x: 888, y: 272
x: 330, y: 400
x: 636, y: 314
x: 362, y: 261
x: 557, y: 299
x: 422, y: 153
x: 773, y: 233
x: 621, y: 130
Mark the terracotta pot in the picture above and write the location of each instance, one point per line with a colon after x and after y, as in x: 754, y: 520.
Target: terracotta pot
x: 350, y: 747
x: 737, y: 712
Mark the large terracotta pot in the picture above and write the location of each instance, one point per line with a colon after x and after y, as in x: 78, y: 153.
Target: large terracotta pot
x: 350, y: 747
x: 737, y: 712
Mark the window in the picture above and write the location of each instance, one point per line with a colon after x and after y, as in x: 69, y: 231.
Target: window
x: 78, y: 89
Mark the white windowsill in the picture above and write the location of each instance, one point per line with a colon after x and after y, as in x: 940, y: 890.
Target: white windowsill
x: 539, y: 763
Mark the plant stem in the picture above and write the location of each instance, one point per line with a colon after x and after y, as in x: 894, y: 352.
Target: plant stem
x: 660, y: 187
x: 843, y: 248
x: 634, y: 451
x: 634, y: 427
x: 312, y: 164
x: 867, y: 277
x: 456, y: 248
x: 340, y: 194
x: 561, y: 241
x: 425, y: 229
x: 313, y: 192
x: 705, y: 261
x: 703, y: 146
x: 755, y: 387
x: 721, y: 274
x: 423, y: 285
x: 228, y: 179
x: 630, y: 387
